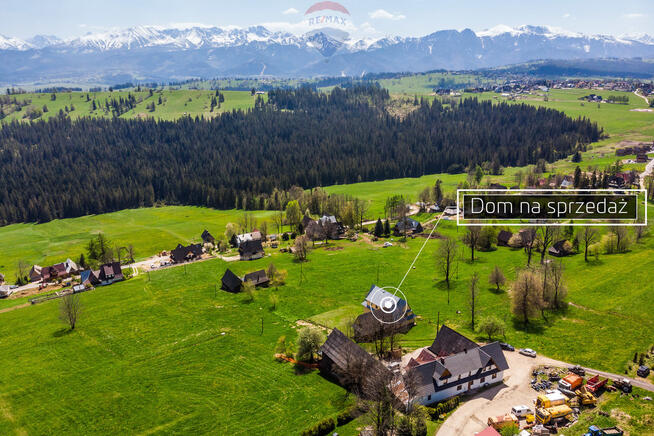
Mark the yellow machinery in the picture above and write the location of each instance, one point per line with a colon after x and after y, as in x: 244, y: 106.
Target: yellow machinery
x: 545, y: 416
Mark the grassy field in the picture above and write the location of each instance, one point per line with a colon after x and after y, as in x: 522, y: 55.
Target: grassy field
x: 174, y: 104
x: 149, y: 230
x: 151, y: 355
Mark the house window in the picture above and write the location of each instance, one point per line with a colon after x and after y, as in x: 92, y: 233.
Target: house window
x: 428, y: 397
x: 458, y: 388
x: 494, y: 375
x: 483, y: 379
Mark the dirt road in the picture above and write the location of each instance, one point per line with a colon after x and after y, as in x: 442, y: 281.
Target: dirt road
x: 648, y: 170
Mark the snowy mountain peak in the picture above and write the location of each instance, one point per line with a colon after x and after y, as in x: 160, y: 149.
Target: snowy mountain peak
x: 7, y: 43
x: 547, y: 31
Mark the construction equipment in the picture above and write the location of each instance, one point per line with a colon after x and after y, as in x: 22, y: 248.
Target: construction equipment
x: 577, y: 370
x: 553, y: 414
x: 571, y: 382
x: 585, y: 396
x: 550, y: 399
x: 623, y: 385
x: 499, y: 422
x: 594, y: 384
x: 594, y: 430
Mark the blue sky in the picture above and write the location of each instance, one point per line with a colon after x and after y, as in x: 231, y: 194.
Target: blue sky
x: 70, y: 18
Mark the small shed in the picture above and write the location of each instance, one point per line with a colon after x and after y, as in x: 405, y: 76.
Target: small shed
x: 231, y: 282
x: 559, y: 249
x: 258, y: 278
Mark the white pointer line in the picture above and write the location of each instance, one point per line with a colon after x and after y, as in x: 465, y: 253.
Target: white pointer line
x: 421, y: 248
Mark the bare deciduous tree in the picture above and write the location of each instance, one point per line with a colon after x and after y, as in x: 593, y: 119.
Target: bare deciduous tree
x: 589, y: 236
x: 70, y: 308
x: 300, y: 248
x: 529, y: 242
x: 445, y: 258
x: 497, y: 277
x: 545, y: 237
x: 471, y: 239
x: 557, y: 288
x: 526, y: 298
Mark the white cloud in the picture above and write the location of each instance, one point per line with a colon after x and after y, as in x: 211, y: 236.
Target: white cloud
x: 381, y: 14
x: 291, y: 11
x: 634, y: 15
x: 566, y: 15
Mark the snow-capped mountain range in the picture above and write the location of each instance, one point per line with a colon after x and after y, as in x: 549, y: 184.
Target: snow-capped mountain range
x: 169, y: 53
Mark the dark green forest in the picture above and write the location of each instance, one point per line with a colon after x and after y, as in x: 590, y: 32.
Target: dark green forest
x: 62, y: 168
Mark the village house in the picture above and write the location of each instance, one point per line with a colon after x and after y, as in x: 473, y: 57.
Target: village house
x: 207, y: 237
x: 231, y: 282
x: 247, y: 237
x: 251, y: 250
x: 453, y: 365
x: 409, y: 224
x: 50, y: 273
x: 347, y: 363
x: 327, y: 227
x: 106, y: 275
x: 257, y: 278
x: 503, y: 238
x: 376, y: 301
x: 368, y: 327
x: 186, y: 254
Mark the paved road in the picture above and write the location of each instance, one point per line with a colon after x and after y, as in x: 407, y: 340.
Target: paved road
x: 471, y: 417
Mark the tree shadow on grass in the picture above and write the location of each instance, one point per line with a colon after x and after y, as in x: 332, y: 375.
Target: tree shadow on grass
x: 302, y: 370
x: 62, y: 332
x: 533, y: 327
x: 495, y: 291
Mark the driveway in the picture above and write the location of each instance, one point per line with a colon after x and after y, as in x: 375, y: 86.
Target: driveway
x: 471, y: 417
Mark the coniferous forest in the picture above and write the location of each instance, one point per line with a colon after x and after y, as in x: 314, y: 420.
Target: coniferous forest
x: 61, y: 168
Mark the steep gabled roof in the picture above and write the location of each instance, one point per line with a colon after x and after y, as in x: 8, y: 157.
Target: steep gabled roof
x: 250, y: 247
x: 206, y: 236
x: 494, y: 350
x: 231, y: 282
x: 449, y: 342
x: 257, y: 277
x: 341, y: 350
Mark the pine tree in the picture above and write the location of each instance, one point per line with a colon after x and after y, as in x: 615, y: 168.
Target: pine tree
x: 379, y: 228
x: 387, y: 228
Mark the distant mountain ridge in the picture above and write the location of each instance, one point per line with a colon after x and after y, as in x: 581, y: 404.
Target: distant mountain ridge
x: 155, y: 53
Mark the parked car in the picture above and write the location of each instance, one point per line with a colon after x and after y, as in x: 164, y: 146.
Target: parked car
x: 527, y: 352
x: 507, y: 347
x: 643, y: 371
x: 520, y: 411
x: 387, y: 244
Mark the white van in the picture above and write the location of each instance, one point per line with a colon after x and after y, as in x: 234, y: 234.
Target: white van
x: 520, y: 411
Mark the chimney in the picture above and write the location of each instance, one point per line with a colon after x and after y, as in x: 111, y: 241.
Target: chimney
x: 465, y: 350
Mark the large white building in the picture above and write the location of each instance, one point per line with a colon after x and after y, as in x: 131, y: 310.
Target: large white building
x: 453, y: 365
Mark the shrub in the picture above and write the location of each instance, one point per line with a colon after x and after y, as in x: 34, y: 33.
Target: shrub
x: 320, y: 429
x: 345, y: 416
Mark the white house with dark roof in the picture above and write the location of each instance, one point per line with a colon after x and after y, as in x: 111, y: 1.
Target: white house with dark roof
x: 453, y: 365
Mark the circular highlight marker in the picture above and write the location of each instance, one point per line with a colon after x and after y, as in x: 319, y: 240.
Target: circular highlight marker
x: 389, y: 306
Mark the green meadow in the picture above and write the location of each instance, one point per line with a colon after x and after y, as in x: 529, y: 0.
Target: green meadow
x: 149, y: 355
x: 174, y: 104
x: 149, y: 230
